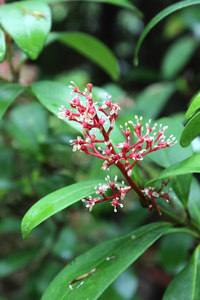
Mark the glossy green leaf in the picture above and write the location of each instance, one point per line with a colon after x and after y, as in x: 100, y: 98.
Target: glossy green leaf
x: 191, y: 131
x: 193, y: 106
x: 122, y: 253
x: 159, y: 17
x: 55, y: 202
x: 122, y: 3
x: 28, y: 23
x: 187, y: 166
x: 92, y: 48
x: 2, y: 45
x: 15, y: 261
x: 173, y: 62
x: 8, y: 93
x: 186, y: 284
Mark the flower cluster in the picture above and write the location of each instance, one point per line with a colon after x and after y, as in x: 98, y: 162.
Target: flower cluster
x: 118, y: 192
x: 96, y: 123
x: 90, y: 118
x: 152, y: 195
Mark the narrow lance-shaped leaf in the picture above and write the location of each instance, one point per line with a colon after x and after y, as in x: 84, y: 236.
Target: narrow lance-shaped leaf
x: 159, y: 17
x: 8, y: 93
x: 55, y: 202
x: 187, y: 166
x: 109, y: 260
x: 92, y: 48
x: 191, y: 131
x: 186, y: 285
x: 2, y: 45
x: 28, y: 23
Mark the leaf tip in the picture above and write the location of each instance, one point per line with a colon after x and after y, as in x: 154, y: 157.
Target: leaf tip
x: 135, y: 61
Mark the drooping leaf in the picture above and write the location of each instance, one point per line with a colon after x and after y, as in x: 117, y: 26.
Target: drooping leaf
x: 173, y: 62
x: 191, y: 131
x: 122, y: 3
x: 186, y: 284
x: 159, y: 17
x: 2, y: 46
x: 28, y: 23
x: 8, y: 93
x: 109, y: 259
x: 92, y: 48
x: 55, y: 202
x: 187, y: 166
x: 195, y: 105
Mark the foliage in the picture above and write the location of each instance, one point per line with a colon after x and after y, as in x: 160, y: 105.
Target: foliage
x: 154, y: 235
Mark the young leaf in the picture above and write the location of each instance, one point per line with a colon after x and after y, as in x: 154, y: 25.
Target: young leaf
x: 2, y: 45
x: 173, y: 62
x: 191, y: 131
x: 8, y: 93
x: 109, y: 259
x: 28, y: 23
x: 92, y: 48
x: 55, y: 202
x: 122, y: 3
x: 193, y: 106
x: 187, y: 166
x: 186, y: 284
x: 159, y: 17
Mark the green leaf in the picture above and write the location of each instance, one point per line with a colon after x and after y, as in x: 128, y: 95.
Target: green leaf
x: 15, y: 261
x: 173, y: 251
x: 193, y: 202
x: 124, y: 250
x: 173, y: 62
x: 187, y: 166
x: 159, y: 17
x: 28, y: 23
x: 55, y: 202
x: 186, y: 284
x: 151, y: 100
x: 193, y: 106
x: 92, y: 48
x: 191, y: 131
x: 2, y: 45
x: 8, y: 93
x: 28, y: 125
x: 122, y: 3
